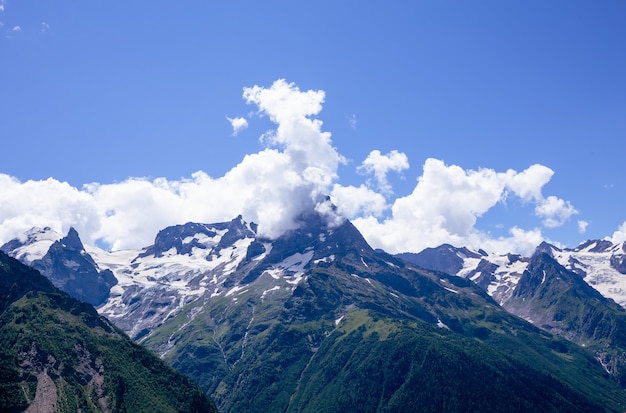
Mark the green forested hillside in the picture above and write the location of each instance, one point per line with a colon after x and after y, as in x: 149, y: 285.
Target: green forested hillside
x: 366, y: 333
x: 58, y: 354
x: 561, y: 302
x: 371, y: 363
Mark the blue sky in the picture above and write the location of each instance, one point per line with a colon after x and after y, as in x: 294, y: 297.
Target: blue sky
x: 105, y: 103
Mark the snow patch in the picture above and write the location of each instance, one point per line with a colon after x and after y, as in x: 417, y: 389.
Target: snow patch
x: 327, y: 259
x: 292, y: 267
x: 275, y: 288
x: 440, y: 324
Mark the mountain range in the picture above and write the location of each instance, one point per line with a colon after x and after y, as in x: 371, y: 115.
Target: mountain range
x: 317, y: 320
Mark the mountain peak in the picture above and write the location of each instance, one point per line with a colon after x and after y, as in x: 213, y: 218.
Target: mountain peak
x: 183, y: 239
x: 546, y: 248
x: 72, y: 241
x: 32, y: 244
x: 445, y: 258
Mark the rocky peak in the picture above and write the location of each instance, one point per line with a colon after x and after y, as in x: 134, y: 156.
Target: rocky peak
x: 235, y: 230
x: 73, y: 270
x: 445, y: 258
x: 184, y: 238
x: 72, y: 241
x: 546, y: 248
x: 596, y: 245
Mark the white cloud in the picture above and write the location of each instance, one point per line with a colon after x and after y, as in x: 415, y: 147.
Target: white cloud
x: 45, y: 203
x: 519, y: 241
x: 271, y: 187
x: 380, y: 165
x: 528, y: 183
x: 238, y: 124
x: 16, y: 29
x: 44, y: 27
x: 274, y: 186
x: 554, y: 211
x: 619, y: 236
x: 354, y: 201
x: 446, y: 203
x: 582, y: 226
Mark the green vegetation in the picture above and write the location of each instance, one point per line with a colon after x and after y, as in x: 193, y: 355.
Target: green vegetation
x: 47, y: 335
x: 559, y: 301
x: 286, y: 351
x: 418, y: 367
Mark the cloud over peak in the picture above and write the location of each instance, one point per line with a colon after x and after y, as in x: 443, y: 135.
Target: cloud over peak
x: 271, y: 187
x: 292, y: 174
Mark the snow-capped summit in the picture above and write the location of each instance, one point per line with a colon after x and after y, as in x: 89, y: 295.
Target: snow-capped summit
x: 228, y: 296
x: 600, y: 263
x: 183, y: 239
x: 64, y: 261
x: 32, y: 245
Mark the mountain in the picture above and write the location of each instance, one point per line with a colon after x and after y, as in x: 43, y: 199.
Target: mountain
x: 600, y: 263
x: 560, y: 301
x: 445, y: 258
x: 58, y: 355
x: 316, y: 320
x: 496, y: 274
x: 186, y: 263
x: 64, y: 262
x: 568, y: 292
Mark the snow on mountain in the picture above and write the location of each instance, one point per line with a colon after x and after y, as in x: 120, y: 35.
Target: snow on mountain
x: 185, y: 263
x: 198, y: 261
x: 64, y: 261
x: 32, y: 245
x: 599, y: 262
x: 497, y: 274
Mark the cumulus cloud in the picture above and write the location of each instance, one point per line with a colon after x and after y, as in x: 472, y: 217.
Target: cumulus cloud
x: 272, y: 187
x: 238, y: 124
x: 45, y: 203
x: 355, y: 201
x: 582, y: 226
x: 528, y: 183
x: 446, y: 203
x: 619, y: 236
x: 554, y: 211
x: 293, y: 173
x: 379, y: 165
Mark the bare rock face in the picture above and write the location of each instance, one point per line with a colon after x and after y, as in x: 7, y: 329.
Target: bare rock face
x: 618, y: 260
x: 64, y: 261
x: 88, y: 372
x: 46, y: 396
